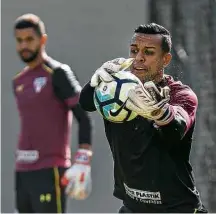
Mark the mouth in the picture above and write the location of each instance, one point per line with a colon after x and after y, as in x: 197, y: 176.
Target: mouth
x: 25, y: 52
x: 140, y: 69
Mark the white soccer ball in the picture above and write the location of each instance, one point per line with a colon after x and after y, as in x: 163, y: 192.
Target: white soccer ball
x: 110, y: 98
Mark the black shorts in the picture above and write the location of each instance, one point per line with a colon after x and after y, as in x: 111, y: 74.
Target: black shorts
x: 40, y: 191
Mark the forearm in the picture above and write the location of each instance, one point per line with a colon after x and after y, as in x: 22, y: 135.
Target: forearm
x: 86, y: 98
x: 85, y: 127
x: 177, y: 124
x: 85, y: 132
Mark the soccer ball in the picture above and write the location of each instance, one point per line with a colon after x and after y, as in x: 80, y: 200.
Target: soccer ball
x: 110, y: 98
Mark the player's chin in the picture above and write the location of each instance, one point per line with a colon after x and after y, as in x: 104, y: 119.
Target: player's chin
x: 27, y: 59
x: 140, y: 75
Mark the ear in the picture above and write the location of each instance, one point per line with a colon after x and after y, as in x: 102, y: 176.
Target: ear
x: 44, y: 39
x: 167, y: 58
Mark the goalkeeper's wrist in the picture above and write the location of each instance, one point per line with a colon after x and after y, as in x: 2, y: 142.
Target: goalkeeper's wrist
x: 167, y: 116
x: 83, y: 156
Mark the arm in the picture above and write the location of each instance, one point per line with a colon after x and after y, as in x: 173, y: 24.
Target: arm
x: 86, y: 98
x: 85, y: 128
x: 173, y: 115
x: 77, y: 179
x: 103, y: 73
x: 67, y: 88
x: 182, y: 109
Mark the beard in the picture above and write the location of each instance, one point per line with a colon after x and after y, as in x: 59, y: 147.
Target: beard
x: 33, y: 55
x: 155, y: 77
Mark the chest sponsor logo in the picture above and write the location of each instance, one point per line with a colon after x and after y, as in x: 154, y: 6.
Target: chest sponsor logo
x: 39, y: 83
x: 19, y: 88
x: 146, y: 197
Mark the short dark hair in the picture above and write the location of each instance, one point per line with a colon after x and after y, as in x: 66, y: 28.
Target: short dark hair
x: 154, y: 28
x: 30, y: 21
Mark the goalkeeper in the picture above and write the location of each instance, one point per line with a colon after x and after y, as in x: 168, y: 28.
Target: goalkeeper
x: 151, y: 153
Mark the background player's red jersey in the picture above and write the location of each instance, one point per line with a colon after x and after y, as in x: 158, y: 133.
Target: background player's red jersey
x: 44, y: 95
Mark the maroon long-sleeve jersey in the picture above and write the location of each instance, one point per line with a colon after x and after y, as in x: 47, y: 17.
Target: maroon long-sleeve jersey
x: 44, y: 96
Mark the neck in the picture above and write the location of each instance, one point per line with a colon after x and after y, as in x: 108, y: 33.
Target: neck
x: 159, y: 77
x: 38, y: 60
x: 156, y: 77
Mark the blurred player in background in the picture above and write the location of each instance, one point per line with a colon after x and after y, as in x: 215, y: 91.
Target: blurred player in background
x: 151, y: 153
x: 47, y: 95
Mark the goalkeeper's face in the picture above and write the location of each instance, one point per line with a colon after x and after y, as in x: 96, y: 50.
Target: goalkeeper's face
x: 150, y: 60
x: 28, y: 44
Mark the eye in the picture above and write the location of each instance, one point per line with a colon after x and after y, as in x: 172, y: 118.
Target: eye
x: 149, y: 52
x: 134, y: 51
x: 29, y: 39
x: 19, y: 40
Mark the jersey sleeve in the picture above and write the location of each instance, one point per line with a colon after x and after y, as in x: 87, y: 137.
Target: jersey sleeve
x: 66, y: 85
x: 86, y: 98
x: 85, y: 125
x: 67, y: 88
x: 183, y: 105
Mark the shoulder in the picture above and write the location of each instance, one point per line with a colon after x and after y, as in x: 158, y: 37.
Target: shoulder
x: 51, y: 65
x: 178, y: 86
x: 20, y: 74
x: 61, y: 72
x: 55, y: 67
x: 180, y: 91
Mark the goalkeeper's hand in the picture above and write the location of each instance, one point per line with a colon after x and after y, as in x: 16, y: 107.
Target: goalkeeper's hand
x: 104, y: 72
x: 77, y: 178
x: 150, y: 103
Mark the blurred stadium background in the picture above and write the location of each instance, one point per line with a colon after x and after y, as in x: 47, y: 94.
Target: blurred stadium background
x: 84, y: 34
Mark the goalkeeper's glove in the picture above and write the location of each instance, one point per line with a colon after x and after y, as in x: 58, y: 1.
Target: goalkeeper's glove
x: 77, y: 178
x: 150, y: 103
x: 104, y: 72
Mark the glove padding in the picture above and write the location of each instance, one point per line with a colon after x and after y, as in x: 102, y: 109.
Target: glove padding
x: 104, y: 72
x: 77, y: 178
x: 148, y: 102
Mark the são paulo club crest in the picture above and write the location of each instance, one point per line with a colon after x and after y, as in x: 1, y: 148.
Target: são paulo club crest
x: 39, y: 83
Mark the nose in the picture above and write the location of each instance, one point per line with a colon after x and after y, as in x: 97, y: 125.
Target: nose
x: 140, y: 57
x: 23, y: 45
